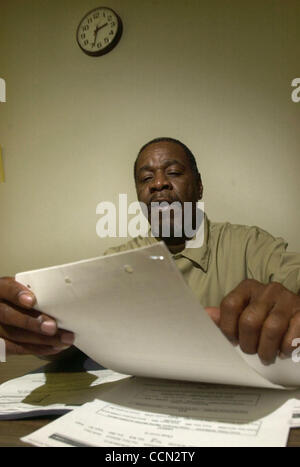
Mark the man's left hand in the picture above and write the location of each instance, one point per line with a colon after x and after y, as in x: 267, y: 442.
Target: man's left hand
x: 262, y: 319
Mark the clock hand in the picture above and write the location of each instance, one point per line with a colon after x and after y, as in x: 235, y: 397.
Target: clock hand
x: 103, y: 25
x: 97, y: 30
x: 95, y: 35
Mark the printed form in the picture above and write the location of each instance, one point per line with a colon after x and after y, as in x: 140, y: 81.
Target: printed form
x: 151, y: 412
x: 37, y: 394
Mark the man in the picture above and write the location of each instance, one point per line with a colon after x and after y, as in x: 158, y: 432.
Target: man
x: 244, y: 277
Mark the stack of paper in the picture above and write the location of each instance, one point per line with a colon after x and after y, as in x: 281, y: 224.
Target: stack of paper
x: 42, y: 393
x: 133, y: 313
x: 152, y: 412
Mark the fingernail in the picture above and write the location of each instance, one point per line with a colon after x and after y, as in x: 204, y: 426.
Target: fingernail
x: 67, y: 338
x: 267, y: 363
x: 234, y: 342
x: 282, y: 356
x: 60, y: 349
x: 25, y: 298
x: 48, y: 327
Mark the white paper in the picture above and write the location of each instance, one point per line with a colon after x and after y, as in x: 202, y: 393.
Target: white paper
x: 295, y: 419
x: 151, y: 412
x: 38, y: 394
x: 133, y: 313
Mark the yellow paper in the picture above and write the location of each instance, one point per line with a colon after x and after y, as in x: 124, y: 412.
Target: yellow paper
x: 2, y: 179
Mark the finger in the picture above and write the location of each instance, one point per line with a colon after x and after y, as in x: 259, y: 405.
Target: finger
x: 18, y: 335
x: 292, y: 333
x: 231, y: 308
x: 233, y: 305
x: 13, y: 348
x: 214, y: 313
x: 30, y: 320
x: 16, y: 293
x: 251, y: 323
x: 273, y: 331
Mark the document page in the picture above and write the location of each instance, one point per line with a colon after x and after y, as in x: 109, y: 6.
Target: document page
x: 295, y: 420
x: 152, y: 412
x: 133, y: 313
x: 43, y: 393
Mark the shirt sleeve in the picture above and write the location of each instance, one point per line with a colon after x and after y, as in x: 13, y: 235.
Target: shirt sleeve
x: 268, y: 260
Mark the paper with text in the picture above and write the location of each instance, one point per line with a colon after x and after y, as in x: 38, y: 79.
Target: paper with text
x: 133, y: 313
x: 43, y: 393
x: 151, y: 412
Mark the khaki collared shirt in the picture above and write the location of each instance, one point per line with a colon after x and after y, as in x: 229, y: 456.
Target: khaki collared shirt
x: 229, y: 254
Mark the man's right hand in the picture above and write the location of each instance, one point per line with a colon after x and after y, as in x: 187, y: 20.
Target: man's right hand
x: 24, y: 329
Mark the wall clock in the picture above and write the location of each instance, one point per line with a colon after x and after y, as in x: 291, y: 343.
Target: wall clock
x: 99, y: 31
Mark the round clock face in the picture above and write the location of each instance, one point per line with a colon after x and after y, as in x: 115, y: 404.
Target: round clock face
x: 99, y: 31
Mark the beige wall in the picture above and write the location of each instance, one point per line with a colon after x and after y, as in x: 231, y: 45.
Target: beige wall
x: 216, y: 74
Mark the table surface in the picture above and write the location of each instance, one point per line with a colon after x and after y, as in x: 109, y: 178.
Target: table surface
x: 12, y: 430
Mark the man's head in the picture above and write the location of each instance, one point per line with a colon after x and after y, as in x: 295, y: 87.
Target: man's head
x: 166, y: 139
x: 166, y: 170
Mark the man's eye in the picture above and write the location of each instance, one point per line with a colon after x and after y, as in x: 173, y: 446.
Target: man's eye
x: 174, y: 173
x: 145, y: 179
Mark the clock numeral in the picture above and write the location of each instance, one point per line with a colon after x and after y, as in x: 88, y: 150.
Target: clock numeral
x: 96, y: 15
x: 111, y: 33
x: 82, y: 36
x: 112, y: 24
x: 99, y: 45
x: 90, y: 20
x: 86, y: 42
x: 106, y: 40
x: 86, y: 28
x: 109, y: 18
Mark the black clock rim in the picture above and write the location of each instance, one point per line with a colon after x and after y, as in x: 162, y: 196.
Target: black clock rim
x: 113, y: 43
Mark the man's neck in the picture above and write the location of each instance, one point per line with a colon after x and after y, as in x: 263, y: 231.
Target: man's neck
x: 173, y: 247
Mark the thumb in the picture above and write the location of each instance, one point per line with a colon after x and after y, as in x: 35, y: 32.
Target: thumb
x: 16, y: 293
x: 214, y: 313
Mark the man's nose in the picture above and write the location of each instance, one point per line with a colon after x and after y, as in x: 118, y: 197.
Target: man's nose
x: 159, y: 183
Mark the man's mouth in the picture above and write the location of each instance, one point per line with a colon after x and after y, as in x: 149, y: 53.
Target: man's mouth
x: 158, y: 199
x: 160, y: 204
x: 163, y: 199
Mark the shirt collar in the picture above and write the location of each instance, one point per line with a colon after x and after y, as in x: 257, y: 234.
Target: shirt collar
x: 199, y: 256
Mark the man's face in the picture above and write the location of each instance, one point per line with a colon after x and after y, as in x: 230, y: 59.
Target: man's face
x: 164, y: 174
